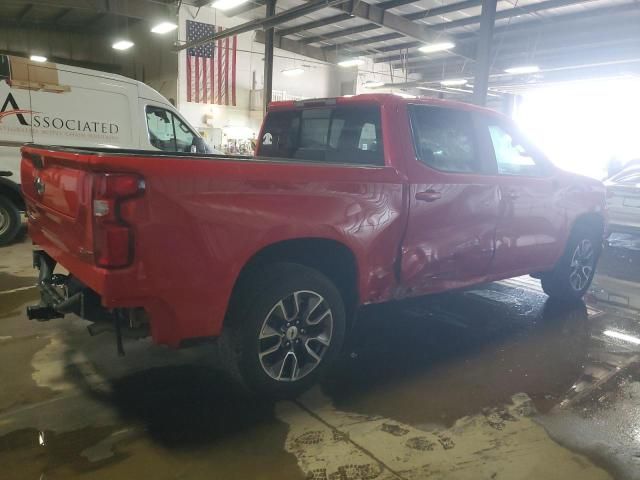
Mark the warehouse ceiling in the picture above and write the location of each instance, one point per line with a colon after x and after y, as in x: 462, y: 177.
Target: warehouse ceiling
x: 565, y: 38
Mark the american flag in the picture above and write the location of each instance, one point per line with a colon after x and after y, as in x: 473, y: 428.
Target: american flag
x: 211, y: 68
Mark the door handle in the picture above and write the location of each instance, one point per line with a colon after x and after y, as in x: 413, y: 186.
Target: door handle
x: 428, y: 196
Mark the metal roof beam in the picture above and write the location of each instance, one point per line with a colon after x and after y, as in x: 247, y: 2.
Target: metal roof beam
x: 59, y: 16
x: 23, y: 13
x: 263, y: 23
x: 556, y: 30
x: 341, y: 33
x: 314, y: 24
x: 295, y: 46
x: 339, y: 18
x: 383, y: 18
x: 502, y: 14
x: 141, y: 9
x: 432, y: 12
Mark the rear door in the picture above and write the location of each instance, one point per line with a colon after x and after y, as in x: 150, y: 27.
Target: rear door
x: 453, y: 202
x: 531, y: 221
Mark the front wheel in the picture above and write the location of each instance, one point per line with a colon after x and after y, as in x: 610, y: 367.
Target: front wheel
x: 287, y: 325
x: 574, y: 272
x: 10, y: 221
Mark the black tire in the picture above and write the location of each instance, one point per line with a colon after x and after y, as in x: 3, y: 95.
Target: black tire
x: 255, y: 311
x: 561, y: 283
x: 10, y: 221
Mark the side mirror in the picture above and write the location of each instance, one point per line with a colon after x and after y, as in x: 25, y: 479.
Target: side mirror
x: 199, y: 146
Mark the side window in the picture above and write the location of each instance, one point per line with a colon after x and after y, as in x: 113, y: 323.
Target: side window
x: 512, y: 156
x: 167, y: 132
x: 332, y: 135
x: 444, y: 139
x: 160, y: 127
x: 184, y: 136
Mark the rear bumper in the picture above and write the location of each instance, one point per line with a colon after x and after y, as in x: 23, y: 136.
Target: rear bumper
x: 62, y: 294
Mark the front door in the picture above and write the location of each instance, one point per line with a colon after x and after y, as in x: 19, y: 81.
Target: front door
x: 528, y: 233
x: 453, y: 203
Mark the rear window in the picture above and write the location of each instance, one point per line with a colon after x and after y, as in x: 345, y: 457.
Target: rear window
x: 331, y: 135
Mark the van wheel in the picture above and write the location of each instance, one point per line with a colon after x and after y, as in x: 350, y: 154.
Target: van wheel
x: 574, y: 272
x: 287, y: 326
x: 10, y: 221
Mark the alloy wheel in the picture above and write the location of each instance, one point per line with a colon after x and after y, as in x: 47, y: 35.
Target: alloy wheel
x: 582, y: 265
x: 295, y: 336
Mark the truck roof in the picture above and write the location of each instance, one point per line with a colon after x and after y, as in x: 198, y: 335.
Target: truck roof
x: 380, y: 98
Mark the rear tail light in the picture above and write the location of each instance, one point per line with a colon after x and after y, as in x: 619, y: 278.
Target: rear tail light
x: 112, y: 236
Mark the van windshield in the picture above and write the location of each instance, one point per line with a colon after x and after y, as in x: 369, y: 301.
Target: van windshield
x: 170, y: 134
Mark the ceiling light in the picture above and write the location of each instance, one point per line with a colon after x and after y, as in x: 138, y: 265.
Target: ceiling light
x: 227, y: 4
x: 453, y: 82
x: 292, y: 72
x: 523, y: 69
x: 437, y: 47
x: 164, y: 27
x: 352, y: 62
x: 372, y: 84
x: 37, y: 58
x: 122, y: 45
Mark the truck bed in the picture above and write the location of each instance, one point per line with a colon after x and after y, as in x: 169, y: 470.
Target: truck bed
x: 200, y: 219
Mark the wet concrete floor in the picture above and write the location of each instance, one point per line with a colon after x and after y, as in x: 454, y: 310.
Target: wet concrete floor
x: 494, y: 382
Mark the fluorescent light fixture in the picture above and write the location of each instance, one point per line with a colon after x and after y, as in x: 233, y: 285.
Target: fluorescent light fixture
x: 292, y: 72
x: 622, y: 336
x: 437, y: 47
x: 164, y: 27
x: 351, y: 62
x: 37, y: 58
x: 372, y: 84
x: 227, y: 4
x: 453, y: 82
x: 523, y: 69
x: 122, y: 45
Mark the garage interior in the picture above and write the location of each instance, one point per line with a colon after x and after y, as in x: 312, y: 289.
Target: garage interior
x: 493, y: 382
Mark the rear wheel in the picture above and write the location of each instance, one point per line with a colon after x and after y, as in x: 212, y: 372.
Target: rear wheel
x: 572, y: 276
x: 10, y: 221
x: 287, y: 326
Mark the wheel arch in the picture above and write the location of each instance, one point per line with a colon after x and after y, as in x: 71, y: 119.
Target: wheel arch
x: 11, y: 191
x: 330, y: 257
x: 593, y: 220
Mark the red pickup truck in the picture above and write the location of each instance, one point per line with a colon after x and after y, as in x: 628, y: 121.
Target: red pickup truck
x: 347, y: 202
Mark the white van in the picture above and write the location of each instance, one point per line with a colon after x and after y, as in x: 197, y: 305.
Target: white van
x: 52, y: 104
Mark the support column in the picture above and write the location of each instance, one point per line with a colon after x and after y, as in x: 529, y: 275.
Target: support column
x: 268, y: 57
x: 483, y: 52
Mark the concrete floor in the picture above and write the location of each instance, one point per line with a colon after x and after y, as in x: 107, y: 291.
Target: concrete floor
x: 495, y: 382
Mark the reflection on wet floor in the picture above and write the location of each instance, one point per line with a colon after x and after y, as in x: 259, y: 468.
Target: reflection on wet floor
x: 493, y: 382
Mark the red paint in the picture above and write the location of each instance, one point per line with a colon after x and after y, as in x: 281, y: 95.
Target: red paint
x: 200, y: 220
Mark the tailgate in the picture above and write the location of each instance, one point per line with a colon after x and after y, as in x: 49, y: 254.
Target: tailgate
x: 57, y: 188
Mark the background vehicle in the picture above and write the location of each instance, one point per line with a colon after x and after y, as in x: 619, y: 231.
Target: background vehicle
x: 350, y: 201
x: 56, y: 104
x: 623, y: 200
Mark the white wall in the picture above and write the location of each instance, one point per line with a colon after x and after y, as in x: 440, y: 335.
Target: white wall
x: 319, y: 80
